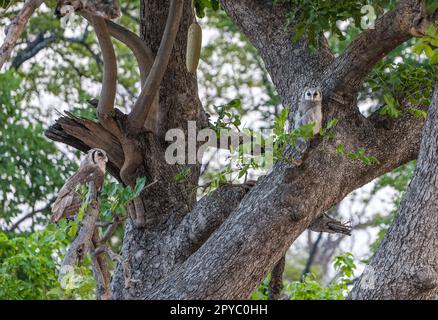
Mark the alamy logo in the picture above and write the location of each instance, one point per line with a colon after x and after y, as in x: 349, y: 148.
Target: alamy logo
x: 368, y: 20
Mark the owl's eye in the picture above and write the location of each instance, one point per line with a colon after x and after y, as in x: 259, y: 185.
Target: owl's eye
x: 308, y: 94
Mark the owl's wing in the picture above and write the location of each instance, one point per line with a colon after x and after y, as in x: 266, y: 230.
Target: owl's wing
x: 85, y: 174
x: 66, y: 206
x: 297, y: 119
x: 306, y: 117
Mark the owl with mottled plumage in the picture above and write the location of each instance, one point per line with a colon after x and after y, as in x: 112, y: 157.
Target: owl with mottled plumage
x: 68, y: 201
x: 310, y: 109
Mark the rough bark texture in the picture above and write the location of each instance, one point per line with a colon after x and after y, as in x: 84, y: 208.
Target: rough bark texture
x: 223, y: 246
x: 276, y: 281
x: 405, y: 265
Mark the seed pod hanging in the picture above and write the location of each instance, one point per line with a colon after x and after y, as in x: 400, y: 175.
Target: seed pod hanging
x: 194, y: 41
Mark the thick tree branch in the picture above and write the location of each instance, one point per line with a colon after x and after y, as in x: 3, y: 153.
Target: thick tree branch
x: 112, y: 228
x: 290, y: 64
x: 16, y: 28
x: 144, y: 57
x: 210, y: 212
x: 105, y: 107
x: 101, y: 271
x: 139, y: 113
x: 117, y: 258
x: 281, y: 206
x: 141, y: 51
x: 347, y: 72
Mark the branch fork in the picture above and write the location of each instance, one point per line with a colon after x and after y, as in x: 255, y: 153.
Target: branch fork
x: 144, y: 113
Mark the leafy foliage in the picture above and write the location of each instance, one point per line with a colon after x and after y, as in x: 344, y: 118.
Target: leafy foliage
x: 202, y: 5
x: 29, y: 266
x: 429, y: 43
x: 31, y: 168
x: 361, y: 156
x: 310, y: 289
x: 412, y: 82
x: 311, y: 18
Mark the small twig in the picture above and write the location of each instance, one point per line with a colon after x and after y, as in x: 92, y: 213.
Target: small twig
x: 109, y: 232
x: 29, y: 215
x: 311, y: 257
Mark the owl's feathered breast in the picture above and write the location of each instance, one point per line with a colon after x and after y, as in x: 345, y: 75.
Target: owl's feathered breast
x: 308, y: 111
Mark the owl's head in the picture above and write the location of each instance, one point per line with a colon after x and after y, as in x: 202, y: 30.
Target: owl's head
x: 312, y: 94
x: 98, y: 157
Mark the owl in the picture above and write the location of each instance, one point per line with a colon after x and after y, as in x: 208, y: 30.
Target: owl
x: 309, y: 109
x: 68, y: 201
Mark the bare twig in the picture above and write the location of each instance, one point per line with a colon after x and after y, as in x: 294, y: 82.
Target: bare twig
x: 311, y: 257
x: 109, y: 232
x: 29, y: 215
x: 33, y: 47
x: 16, y: 28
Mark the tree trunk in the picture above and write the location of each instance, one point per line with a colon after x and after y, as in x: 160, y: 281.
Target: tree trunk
x: 405, y: 265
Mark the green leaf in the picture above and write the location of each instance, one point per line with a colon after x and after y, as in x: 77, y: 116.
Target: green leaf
x: 340, y: 149
x: 139, y: 186
x: 73, y: 229
x: 434, y: 57
x: 332, y: 123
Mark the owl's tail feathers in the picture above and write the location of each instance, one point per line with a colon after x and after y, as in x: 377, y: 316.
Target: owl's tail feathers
x: 66, y: 206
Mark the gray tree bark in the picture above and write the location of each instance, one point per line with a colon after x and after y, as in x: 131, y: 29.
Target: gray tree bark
x: 405, y: 265
x: 222, y: 246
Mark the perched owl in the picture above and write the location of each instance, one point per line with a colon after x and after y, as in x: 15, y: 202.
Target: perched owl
x: 309, y: 109
x: 92, y: 168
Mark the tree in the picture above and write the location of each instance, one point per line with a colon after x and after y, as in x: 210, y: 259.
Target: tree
x: 404, y: 267
x: 223, y: 245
